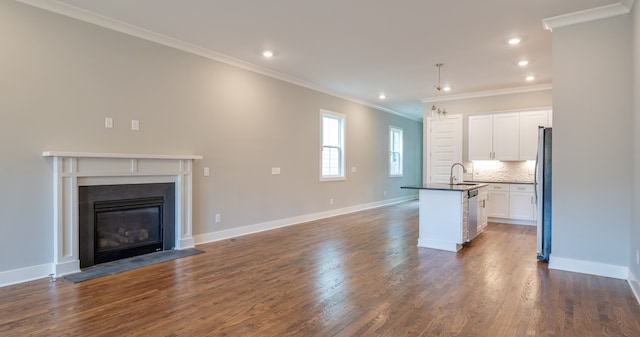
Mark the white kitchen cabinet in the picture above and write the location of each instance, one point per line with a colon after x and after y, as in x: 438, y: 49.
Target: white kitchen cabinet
x: 522, y: 202
x: 506, y: 136
x: 482, y: 208
x: 498, y: 201
x: 515, y: 202
x: 494, y: 137
x: 480, y: 137
x: 529, y: 123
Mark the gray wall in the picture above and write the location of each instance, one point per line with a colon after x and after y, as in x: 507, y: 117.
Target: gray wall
x: 593, y: 137
x: 635, y: 223
x: 59, y: 79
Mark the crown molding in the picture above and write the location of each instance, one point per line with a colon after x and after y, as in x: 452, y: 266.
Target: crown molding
x: 129, y: 29
x: 623, y: 7
x: 478, y: 94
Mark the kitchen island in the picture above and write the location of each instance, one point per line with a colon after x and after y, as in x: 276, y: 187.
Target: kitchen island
x: 450, y: 214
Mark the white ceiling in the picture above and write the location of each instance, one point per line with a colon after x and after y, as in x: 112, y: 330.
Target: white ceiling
x: 361, y: 48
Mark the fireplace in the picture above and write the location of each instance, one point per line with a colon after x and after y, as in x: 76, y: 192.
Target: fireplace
x: 120, y: 221
x: 73, y: 172
x: 125, y: 228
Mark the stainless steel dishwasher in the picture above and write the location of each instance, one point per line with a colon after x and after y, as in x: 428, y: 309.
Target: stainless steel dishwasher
x: 472, y: 218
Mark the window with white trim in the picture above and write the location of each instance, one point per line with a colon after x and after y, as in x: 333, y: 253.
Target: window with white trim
x: 395, y: 151
x: 332, y: 145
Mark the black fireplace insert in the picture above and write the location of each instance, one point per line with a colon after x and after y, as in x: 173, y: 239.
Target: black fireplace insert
x: 120, y: 221
x: 128, y: 227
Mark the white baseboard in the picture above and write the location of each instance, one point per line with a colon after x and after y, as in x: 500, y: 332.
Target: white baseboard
x: 513, y: 221
x: 65, y: 268
x: 634, y: 283
x: 589, y: 267
x: 438, y: 244
x: 16, y: 276
x: 186, y: 243
x: 265, y: 226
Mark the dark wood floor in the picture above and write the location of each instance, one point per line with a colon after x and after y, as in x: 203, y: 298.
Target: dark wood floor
x: 355, y: 275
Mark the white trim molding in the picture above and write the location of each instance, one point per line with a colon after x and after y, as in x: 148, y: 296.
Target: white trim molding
x: 74, y: 169
x: 634, y: 283
x: 117, y: 155
x: 265, y: 226
x: 21, y: 275
x: 589, y: 267
x: 514, y: 221
x: 624, y: 7
x: 488, y: 93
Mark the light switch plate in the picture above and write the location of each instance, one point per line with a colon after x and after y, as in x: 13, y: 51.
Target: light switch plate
x: 135, y: 125
x: 108, y: 122
x: 275, y: 170
x: 206, y: 171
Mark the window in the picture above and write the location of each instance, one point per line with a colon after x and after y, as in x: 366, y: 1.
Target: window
x: 332, y: 143
x: 395, y: 152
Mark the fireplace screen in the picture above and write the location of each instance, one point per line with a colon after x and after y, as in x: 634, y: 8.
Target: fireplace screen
x: 126, y: 227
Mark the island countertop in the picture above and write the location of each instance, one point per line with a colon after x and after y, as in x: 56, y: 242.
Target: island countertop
x: 461, y: 187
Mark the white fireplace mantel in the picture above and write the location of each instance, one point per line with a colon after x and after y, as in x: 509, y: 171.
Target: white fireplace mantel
x: 73, y: 169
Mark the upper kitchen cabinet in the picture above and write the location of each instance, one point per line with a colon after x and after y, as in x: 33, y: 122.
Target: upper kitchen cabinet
x: 480, y: 137
x: 506, y: 136
x: 529, y: 123
x: 494, y: 137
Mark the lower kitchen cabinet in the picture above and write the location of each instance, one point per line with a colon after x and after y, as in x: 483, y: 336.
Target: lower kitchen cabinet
x: 522, y: 205
x: 511, y: 202
x: 483, y: 210
x: 498, y: 199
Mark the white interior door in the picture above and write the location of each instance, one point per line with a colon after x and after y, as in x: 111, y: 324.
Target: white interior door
x: 443, y: 148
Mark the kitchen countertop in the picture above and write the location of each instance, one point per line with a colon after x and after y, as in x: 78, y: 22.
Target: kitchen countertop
x: 447, y: 187
x: 500, y: 182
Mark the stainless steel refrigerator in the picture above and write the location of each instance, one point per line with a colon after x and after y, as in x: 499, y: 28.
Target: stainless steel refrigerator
x: 543, y: 192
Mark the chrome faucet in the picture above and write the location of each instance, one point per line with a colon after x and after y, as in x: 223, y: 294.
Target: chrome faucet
x: 451, y: 177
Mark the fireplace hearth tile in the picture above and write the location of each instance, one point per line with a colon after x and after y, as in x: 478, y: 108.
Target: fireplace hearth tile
x: 139, y: 261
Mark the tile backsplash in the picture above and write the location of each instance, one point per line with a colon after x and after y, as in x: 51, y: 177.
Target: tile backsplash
x: 510, y: 171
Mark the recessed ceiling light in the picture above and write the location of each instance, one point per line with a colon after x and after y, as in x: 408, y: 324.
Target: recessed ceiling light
x: 267, y: 53
x: 523, y: 63
x: 530, y: 78
x: 382, y: 96
x: 514, y: 41
x: 447, y: 88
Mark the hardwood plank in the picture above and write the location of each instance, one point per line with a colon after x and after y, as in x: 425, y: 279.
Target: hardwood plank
x: 359, y: 274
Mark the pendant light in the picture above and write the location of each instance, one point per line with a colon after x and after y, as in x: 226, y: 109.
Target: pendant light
x: 438, y: 90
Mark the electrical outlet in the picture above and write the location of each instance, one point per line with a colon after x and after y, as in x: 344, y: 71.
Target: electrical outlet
x: 385, y: 193
x: 108, y: 122
x: 206, y: 171
x: 217, y: 217
x: 330, y: 201
x: 135, y: 125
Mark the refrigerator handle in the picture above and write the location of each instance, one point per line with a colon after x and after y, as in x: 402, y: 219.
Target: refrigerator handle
x: 535, y: 172
x: 535, y: 179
